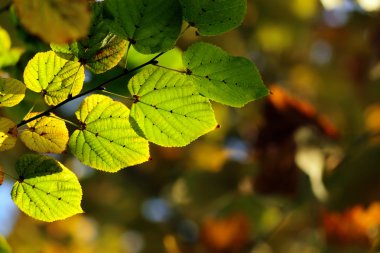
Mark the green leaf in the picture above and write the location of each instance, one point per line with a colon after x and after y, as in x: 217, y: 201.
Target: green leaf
x: 45, y: 134
x: 58, y: 21
x: 4, y: 246
x: 212, y: 17
x: 168, y: 109
x: 106, y: 140
x: 8, y: 134
x: 150, y: 25
x: 46, y: 190
x: 100, y: 51
x: 12, y: 91
x: 54, y: 77
x: 229, y: 80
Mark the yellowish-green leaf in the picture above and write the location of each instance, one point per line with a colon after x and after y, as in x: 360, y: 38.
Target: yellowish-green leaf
x: 168, y: 108
x: 106, y: 140
x: 12, y: 91
x: 58, y: 21
x: 46, y: 190
x: 54, y: 77
x: 47, y: 134
x: 8, y: 134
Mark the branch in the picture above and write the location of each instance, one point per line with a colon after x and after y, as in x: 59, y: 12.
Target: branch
x: 99, y: 87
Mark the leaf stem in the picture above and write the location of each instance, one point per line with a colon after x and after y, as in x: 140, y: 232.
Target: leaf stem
x: 7, y: 174
x: 65, y: 120
x: 176, y: 70
x: 117, y: 95
x: 126, y: 56
x: 97, y: 88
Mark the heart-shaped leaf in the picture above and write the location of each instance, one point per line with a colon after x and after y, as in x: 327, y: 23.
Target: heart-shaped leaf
x: 106, y: 140
x: 12, y: 91
x: 47, y: 134
x: 229, y: 80
x: 214, y: 17
x: 152, y: 26
x: 168, y: 109
x: 46, y: 190
x: 8, y: 134
x: 54, y: 77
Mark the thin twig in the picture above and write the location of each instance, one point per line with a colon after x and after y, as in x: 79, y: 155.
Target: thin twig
x: 99, y: 87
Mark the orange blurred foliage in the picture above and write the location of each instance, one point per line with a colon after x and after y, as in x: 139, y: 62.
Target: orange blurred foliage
x: 355, y: 225
x: 228, y: 234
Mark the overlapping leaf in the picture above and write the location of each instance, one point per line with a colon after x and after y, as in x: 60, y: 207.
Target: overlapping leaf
x: 106, y: 140
x: 99, y: 51
x: 58, y: 21
x: 229, y: 80
x: 150, y: 25
x: 12, y: 92
x: 46, y: 190
x: 168, y: 109
x: 8, y: 134
x: 54, y: 77
x: 212, y: 17
x: 47, y: 134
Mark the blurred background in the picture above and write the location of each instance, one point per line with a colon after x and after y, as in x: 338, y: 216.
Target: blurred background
x: 296, y: 172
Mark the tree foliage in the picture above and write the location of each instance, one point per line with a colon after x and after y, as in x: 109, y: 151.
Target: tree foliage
x: 169, y: 107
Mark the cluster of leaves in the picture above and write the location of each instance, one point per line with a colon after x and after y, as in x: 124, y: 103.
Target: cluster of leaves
x: 170, y: 107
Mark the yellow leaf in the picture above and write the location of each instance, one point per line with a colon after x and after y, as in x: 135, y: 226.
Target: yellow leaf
x: 8, y: 134
x: 12, y: 91
x: 47, y: 134
x: 58, y: 21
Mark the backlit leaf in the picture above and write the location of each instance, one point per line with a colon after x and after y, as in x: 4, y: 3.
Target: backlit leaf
x: 46, y: 190
x: 99, y: 51
x: 106, y: 140
x: 150, y: 25
x: 229, y: 80
x: 54, y: 77
x: 12, y: 91
x: 168, y: 109
x: 47, y: 134
x: 58, y: 21
x: 8, y: 134
x: 214, y: 17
